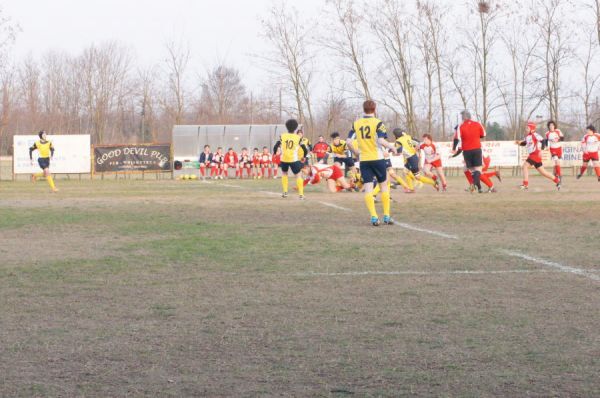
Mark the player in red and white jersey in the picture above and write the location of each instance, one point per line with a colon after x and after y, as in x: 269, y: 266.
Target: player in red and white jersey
x: 533, y: 144
x: 216, y: 168
x: 433, y: 160
x: 255, y: 163
x: 265, y: 163
x: 555, y: 138
x: 231, y: 161
x: 334, y: 175
x: 590, y: 145
x: 276, y: 162
x: 245, y: 163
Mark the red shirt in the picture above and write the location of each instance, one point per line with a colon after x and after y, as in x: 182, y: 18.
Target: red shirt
x: 231, y: 158
x: 320, y: 149
x: 470, y: 134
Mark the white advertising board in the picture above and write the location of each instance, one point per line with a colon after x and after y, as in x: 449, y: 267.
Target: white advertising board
x: 72, y: 154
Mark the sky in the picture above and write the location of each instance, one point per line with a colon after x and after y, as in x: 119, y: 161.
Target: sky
x: 222, y: 30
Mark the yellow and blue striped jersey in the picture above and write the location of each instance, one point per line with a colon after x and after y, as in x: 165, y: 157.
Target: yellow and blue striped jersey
x: 366, y: 132
x: 339, y: 149
x: 44, y: 148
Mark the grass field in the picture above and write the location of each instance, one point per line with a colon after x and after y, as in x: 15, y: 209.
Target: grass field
x: 169, y: 288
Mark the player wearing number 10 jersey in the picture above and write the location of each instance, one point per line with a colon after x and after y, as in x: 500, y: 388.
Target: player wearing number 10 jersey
x: 290, y: 157
x: 367, y: 139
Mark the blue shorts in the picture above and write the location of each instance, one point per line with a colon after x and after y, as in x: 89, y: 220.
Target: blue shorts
x: 348, y: 162
x: 388, y: 163
x: 44, y: 163
x: 373, y: 169
x: 412, y: 164
x: 295, y: 166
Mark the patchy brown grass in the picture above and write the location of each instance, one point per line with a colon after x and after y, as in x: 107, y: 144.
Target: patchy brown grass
x: 190, y: 289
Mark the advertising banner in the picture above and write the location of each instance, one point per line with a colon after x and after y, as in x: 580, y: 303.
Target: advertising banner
x: 71, y: 154
x: 132, y: 158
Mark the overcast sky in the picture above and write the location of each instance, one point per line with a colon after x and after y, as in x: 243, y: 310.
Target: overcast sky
x: 224, y: 29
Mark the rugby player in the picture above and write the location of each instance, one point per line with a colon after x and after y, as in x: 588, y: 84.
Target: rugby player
x: 231, y: 161
x: 408, y: 147
x: 265, y: 163
x: 216, y: 166
x: 321, y: 150
x: 334, y: 175
x: 45, y: 154
x: 433, y: 160
x: 339, y: 149
x: 469, y: 135
x: 554, y: 137
x: 290, y: 157
x: 205, y: 160
x: 533, y: 144
x: 245, y: 163
x: 590, y: 144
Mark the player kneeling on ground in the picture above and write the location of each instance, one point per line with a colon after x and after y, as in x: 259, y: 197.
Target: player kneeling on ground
x: 334, y: 175
x: 533, y: 144
x: 290, y: 157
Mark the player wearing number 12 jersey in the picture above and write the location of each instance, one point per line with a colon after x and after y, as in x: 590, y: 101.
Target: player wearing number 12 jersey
x: 367, y: 139
x: 290, y: 157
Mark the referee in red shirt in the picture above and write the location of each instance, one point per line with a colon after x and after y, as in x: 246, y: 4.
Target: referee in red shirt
x: 469, y: 135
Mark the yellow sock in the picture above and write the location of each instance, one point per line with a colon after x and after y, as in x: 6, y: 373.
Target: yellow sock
x: 426, y: 180
x: 370, y: 202
x: 284, y: 183
x: 386, y: 201
x: 38, y: 175
x: 403, y: 183
x: 300, y: 185
x: 410, y: 180
x: 51, y: 182
x: 376, y: 190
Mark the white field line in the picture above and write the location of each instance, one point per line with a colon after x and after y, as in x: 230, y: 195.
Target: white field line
x: 270, y: 193
x: 427, y: 231
x: 334, y: 206
x: 551, y: 264
x: 425, y: 273
x: 231, y: 186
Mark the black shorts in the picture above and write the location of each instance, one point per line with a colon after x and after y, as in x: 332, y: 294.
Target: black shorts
x: 295, y: 166
x: 373, y: 169
x: 534, y: 163
x: 348, y: 162
x: 412, y: 164
x: 44, y: 163
x: 388, y: 163
x: 473, y: 158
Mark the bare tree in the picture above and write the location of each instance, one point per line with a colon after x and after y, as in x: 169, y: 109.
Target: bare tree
x: 555, y: 48
x: 432, y: 15
x: 522, y: 93
x: 393, y: 29
x: 176, y: 65
x: 223, y: 93
x: 590, y: 75
x: 292, y: 57
x: 344, y: 39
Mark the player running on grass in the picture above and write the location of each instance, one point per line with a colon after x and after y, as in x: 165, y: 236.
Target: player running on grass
x: 468, y: 138
x: 533, y: 145
x: 290, y: 157
x: 408, y: 146
x: 486, y: 176
x: 334, y: 175
x: 368, y: 139
x: 590, y: 145
x: 46, y: 153
x: 555, y: 138
x: 433, y: 161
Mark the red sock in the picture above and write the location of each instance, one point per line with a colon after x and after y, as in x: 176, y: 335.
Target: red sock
x: 270, y: 172
x: 597, y: 169
x: 434, y: 178
x: 557, y: 170
x: 526, y: 183
x: 202, y: 171
x: 249, y: 172
x: 486, y: 180
x: 238, y: 174
x: 556, y: 179
x: 490, y: 174
x: 339, y: 189
x: 469, y: 176
x: 583, y: 169
x: 275, y: 172
x: 213, y: 171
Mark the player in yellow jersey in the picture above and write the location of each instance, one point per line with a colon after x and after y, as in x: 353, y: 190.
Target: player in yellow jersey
x: 46, y: 152
x: 368, y: 140
x: 341, y: 154
x: 408, y: 146
x: 292, y: 153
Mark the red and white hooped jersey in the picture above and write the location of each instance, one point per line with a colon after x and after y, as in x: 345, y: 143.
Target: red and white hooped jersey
x: 554, y: 138
x: 533, y: 143
x: 218, y: 157
x: 430, y: 152
x: 590, y: 143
